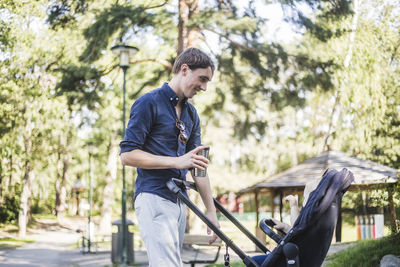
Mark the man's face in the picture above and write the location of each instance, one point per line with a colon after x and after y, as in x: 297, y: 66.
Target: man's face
x: 195, y: 81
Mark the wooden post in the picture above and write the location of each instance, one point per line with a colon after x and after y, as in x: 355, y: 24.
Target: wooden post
x: 280, y: 205
x: 365, y: 201
x: 392, y: 209
x: 257, y: 207
x: 272, y: 204
x: 259, y: 233
x: 78, y: 201
x: 338, y: 230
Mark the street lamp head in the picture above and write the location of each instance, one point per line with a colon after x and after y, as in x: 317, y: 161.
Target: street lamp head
x: 90, y: 145
x: 124, y: 52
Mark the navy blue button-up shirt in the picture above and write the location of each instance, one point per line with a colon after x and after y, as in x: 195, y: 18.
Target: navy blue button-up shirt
x: 152, y: 128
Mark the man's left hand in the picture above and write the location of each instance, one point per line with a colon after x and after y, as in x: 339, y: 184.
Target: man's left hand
x: 213, y: 218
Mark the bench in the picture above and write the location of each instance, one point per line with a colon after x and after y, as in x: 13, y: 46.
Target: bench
x: 201, y: 241
x: 83, y: 242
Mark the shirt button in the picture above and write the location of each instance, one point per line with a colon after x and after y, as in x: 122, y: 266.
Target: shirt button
x: 176, y: 99
x: 171, y: 98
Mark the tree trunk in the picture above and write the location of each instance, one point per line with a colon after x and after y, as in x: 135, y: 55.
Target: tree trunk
x: 182, y: 19
x: 58, y: 176
x: 1, y: 181
x: 25, y: 204
x: 25, y: 199
x: 9, y: 181
x: 335, y: 114
x: 61, y: 190
x: 108, y: 193
x: 187, y: 37
x: 63, y: 164
x: 193, y: 34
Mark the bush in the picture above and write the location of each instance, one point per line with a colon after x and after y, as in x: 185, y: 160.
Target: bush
x: 9, y: 209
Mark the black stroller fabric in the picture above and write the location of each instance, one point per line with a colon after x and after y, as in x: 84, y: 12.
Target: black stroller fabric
x: 313, y: 230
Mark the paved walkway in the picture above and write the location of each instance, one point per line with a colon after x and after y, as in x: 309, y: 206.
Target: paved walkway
x: 55, y: 246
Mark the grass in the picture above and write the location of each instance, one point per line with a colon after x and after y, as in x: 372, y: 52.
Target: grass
x: 366, y: 253
x: 232, y: 264
x: 13, y: 243
x: 349, y: 234
x: 44, y: 216
x: 8, y: 228
x: 7, y: 239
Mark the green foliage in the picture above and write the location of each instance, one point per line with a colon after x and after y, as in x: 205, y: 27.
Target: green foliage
x: 370, y: 121
x: 117, y: 18
x: 10, y: 108
x: 5, y: 38
x: 327, y: 12
x: 64, y: 13
x: 81, y: 85
x: 366, y: 253
x: 267, y: 108
x: 9, y: 208
x: 42, y: 206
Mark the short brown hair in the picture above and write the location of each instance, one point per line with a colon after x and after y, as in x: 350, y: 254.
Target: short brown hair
x: 194, y: 58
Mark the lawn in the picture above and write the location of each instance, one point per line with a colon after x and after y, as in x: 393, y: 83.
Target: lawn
x: 349, y: 234
x: 12, y: 243
x: 366, y: 253
x: 7, y: 239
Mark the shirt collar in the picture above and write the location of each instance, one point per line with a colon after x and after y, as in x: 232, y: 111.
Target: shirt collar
x: 172, y: 96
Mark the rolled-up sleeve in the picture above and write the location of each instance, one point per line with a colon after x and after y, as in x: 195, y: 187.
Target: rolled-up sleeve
x: 139, y: 125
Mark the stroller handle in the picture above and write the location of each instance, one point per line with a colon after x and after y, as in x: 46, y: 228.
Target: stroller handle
x: 176, y: 184
x: 264, y: 225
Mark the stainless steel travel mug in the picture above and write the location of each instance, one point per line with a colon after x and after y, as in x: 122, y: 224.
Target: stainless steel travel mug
x: 198, y: 172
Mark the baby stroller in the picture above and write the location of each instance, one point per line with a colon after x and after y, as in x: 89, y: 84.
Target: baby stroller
x: 309, y: 239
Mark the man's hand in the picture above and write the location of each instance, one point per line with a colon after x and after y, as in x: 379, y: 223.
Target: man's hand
x: 213, y: 217
x: 192, y: 160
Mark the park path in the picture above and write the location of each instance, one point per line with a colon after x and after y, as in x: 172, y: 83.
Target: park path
x: 47, y: 250
x: 54, y: 246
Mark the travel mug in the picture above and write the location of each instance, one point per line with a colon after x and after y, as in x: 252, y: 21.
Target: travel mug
x: 198, y: 172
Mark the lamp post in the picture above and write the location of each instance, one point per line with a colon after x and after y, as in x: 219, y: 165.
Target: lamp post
x: 90, y: 148
x: 124, y: 52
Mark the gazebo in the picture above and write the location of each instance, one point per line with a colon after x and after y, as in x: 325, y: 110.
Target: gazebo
x: 368, y: 175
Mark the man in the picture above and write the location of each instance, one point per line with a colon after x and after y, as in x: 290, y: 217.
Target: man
x: 162, y: 140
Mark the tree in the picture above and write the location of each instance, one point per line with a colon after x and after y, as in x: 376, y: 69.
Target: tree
x: 371, y: 98
x: 245, y: 52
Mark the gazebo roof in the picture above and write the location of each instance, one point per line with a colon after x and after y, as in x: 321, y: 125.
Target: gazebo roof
x: 365, y: 172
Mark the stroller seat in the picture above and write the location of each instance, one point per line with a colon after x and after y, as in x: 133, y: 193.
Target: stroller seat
x: 309, y: 239
x: 312, y: 232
